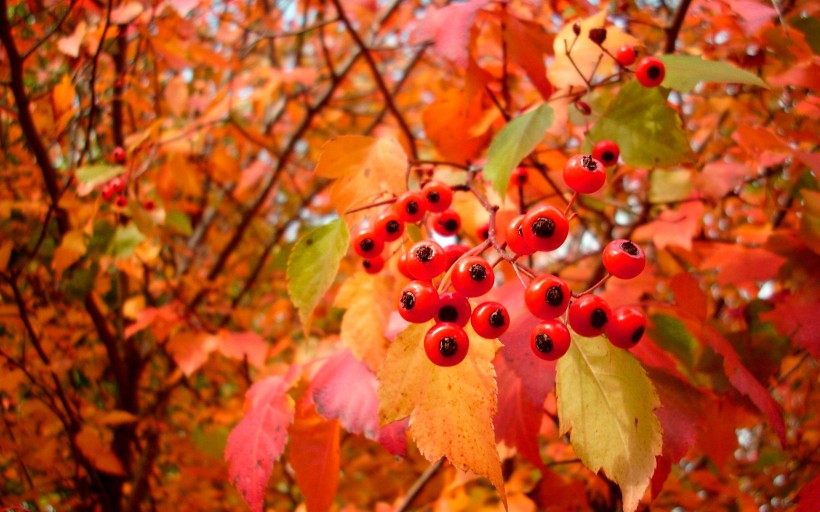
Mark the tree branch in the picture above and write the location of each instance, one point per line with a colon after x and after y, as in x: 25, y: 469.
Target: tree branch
x: 673, y: 30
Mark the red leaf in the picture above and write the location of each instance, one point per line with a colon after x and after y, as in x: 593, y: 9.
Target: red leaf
x: 519, y: 418
x: 557, y: 492
x: 314, y: 455
x: 259, y: 439
x: 808, y: 499
x: 680, y: 414
x: 449, y: 28
x: 238, y: 345
x: 795, y: 315
x: 527, y: 43
x: 344, y: 388
x: 663, y: 466
x: 738, y: 265
x: 673, y: 227
x: 393, y: 437
x: 805, y: 74
x: 688, y: 295
x: 721, y: 177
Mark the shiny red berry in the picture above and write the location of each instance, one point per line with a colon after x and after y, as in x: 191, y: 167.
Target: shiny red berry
x: 418, y: 301
x: 650, y: 71
x: 410, y: 207
x: 473, y: 276
x: 626, y: 327
x: 626, y: 55
x: 606, y: 152
x: 447, y: 223
x: 438, y: 196
x: 515, y: 237
x: 453, y: 307
x: 454, y: 252
x: 483, y: 231
x: 149, y: 205
x: 584, y: 174
x: 624, y: 259
x: 373, y: 265
x: 545, y: 228
x: 402, y: 266
x: 117, y: 184
x: 519, y: 176
x: 389, y: 226
x: 547, y: 296
x: 426, y: 260
x: 121, y: 201
x: 446, y: 344
x: 118, y: 155
x: 367, y: 244
x: 108, y: 192
x: 550, y: 340
x: 490, y: 320
x: 588, y: 315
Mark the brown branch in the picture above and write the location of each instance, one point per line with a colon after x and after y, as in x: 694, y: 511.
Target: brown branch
x: 419, y: 484
x: 673, y: 30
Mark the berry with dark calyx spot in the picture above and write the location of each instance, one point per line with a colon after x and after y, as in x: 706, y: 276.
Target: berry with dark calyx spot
x: 418, y: 301
x: 650, y: 71
x: 626, y: 55
x: 550, y: 340
x: 118, y: 155
x: 121, y: 201
x: 454, y: 252
x: 446, y: 344
x: 367, y: 244
x: 515, y: 237
x: 447, y: 223
x: 626, y: 327
x: 373, y: 265
x: 410, y: 207
x: 438, y: 196
x: 473, y: 276
x: 149, y: 205
x: 589, y: 315
x: 583, y: 107
x: 108, y: 192
x: 426, y: 260
x: 545, y: 228
x: 389, y: 226
x: 483, y: 231
x: 490, y: 320
x: 584, y: 174
x: 547, y: 296
x: 402, y: 266
x: 606, y: 152
x: 597, y: 35
x: 117, y: 184
x: 519, y: 176
x: 624, y: 259
x: 453, y: 307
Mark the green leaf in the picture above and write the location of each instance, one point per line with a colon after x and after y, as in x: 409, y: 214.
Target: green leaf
x: 515, y: 141
x: 126, y: 240
x: 683, y: 72
x: 648, y: 131
x: 606, y: 399
x: 177, y: 220
x: 313, y: 265
x: 93, y: 175
x: 669, y: 186
x: 670, y: 334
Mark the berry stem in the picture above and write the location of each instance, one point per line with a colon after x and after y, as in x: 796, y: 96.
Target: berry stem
x: 571, y: 202
x: 593, y: 287
x: 372, y: 205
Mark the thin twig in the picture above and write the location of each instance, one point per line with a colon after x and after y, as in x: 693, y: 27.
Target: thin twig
x: 419, y: 484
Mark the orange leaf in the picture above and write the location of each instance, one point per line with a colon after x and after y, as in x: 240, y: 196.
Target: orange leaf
x: 368, y: 310
x: 314, y: 455
x: 448, y: 122
x: 238, y: 345
x: 90, y: 442
x: 190, y: 349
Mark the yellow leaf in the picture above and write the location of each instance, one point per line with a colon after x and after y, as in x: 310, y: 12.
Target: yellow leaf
x: 176, y: 95
x: 64, y: 95
x: 607, y: 401
x: 450, y: 409
x: 367, y: 300
x: 70, y: 250
x: 90, y: 443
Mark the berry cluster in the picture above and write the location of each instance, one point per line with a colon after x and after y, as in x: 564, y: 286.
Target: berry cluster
x: 650, y: 71
x: 115, y: 188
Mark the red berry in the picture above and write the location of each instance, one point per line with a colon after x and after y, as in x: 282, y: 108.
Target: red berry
x: 583, y: 108
x: 402, y: 266
x: 624, y: 259
x: 453, y: 307
x: 473, y: 276
x: 483, y: 231
x: 418, y: 301
x: 367, y: 244
x: 519, y: 176
x: 547, y: 296
x: 584, y: 174
x: 550, y: 340
x: 626, y: 327
x: 388, y: 226
x: 515, y: 237
x: 121, y: 201
x: 626, y: 55
x: 490, y: 320
x: 437, y: 196
x: 118, y: 155
x: 108, y: 192
x: 545, y: 228
x: 426, y: 260
x: 606, y: 152
x: 410, y: 207
x: 454, y: 252
x: 447, y: 223
x: 149, y: 205
x: 373, y: 265
x: 117, y: 185
x: 650, y: 71
x: 588, y: 315
x: 446, y: 344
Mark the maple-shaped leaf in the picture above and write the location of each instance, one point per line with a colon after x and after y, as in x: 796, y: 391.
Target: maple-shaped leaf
x: 365, y: 169
x: 259, y: 439
x: 314, y: 455
x: 796, y: 316
x: 737, y: 265
x: 674, y: 227
x: 345, y: 389
x: 366, y: 298
x: 607, y: 402
x: 451, y: 408
x: 449, y: 29
x: 527, y: 43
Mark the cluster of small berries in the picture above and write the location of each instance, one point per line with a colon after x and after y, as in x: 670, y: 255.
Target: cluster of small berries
x: 650, y: 70
x: 114, y: 189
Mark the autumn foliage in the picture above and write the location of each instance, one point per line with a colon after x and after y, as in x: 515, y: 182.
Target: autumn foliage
x: 185, y: 325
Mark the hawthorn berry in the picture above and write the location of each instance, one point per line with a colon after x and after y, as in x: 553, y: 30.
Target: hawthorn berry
x: 118, y: 155
x: 473, y: 276
x: 453, y: 307
x: 402, y: 266
x: 117, y: 185
x: 623, y: 259
x: 547, y: 296
x: 597, y: 35
x: 426, y: 259
x: 438, y: 196
x: 650, y: 71
x: 149, y: 205
x: 515, y: 237
x: 583, y: 107
x: 410, y: 207
x: 121, y: 201
x: 519, y: 176
x: 388, y: 226
x: 626, y: 327
x: 584, y: 174
x: 367, y: 244
x: 373, y: 265
x: 626, y: 55
x: 446, y: 344
x: 418, y: 301
x: 483, y: 231
x: 550, y: 340
x: 454, y: 252
x: 588, y: 315
x: 447, y: 223
x: 545, y: 228
x: 108, y: 192
x: 606, y: 152
x: 490, y: 320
